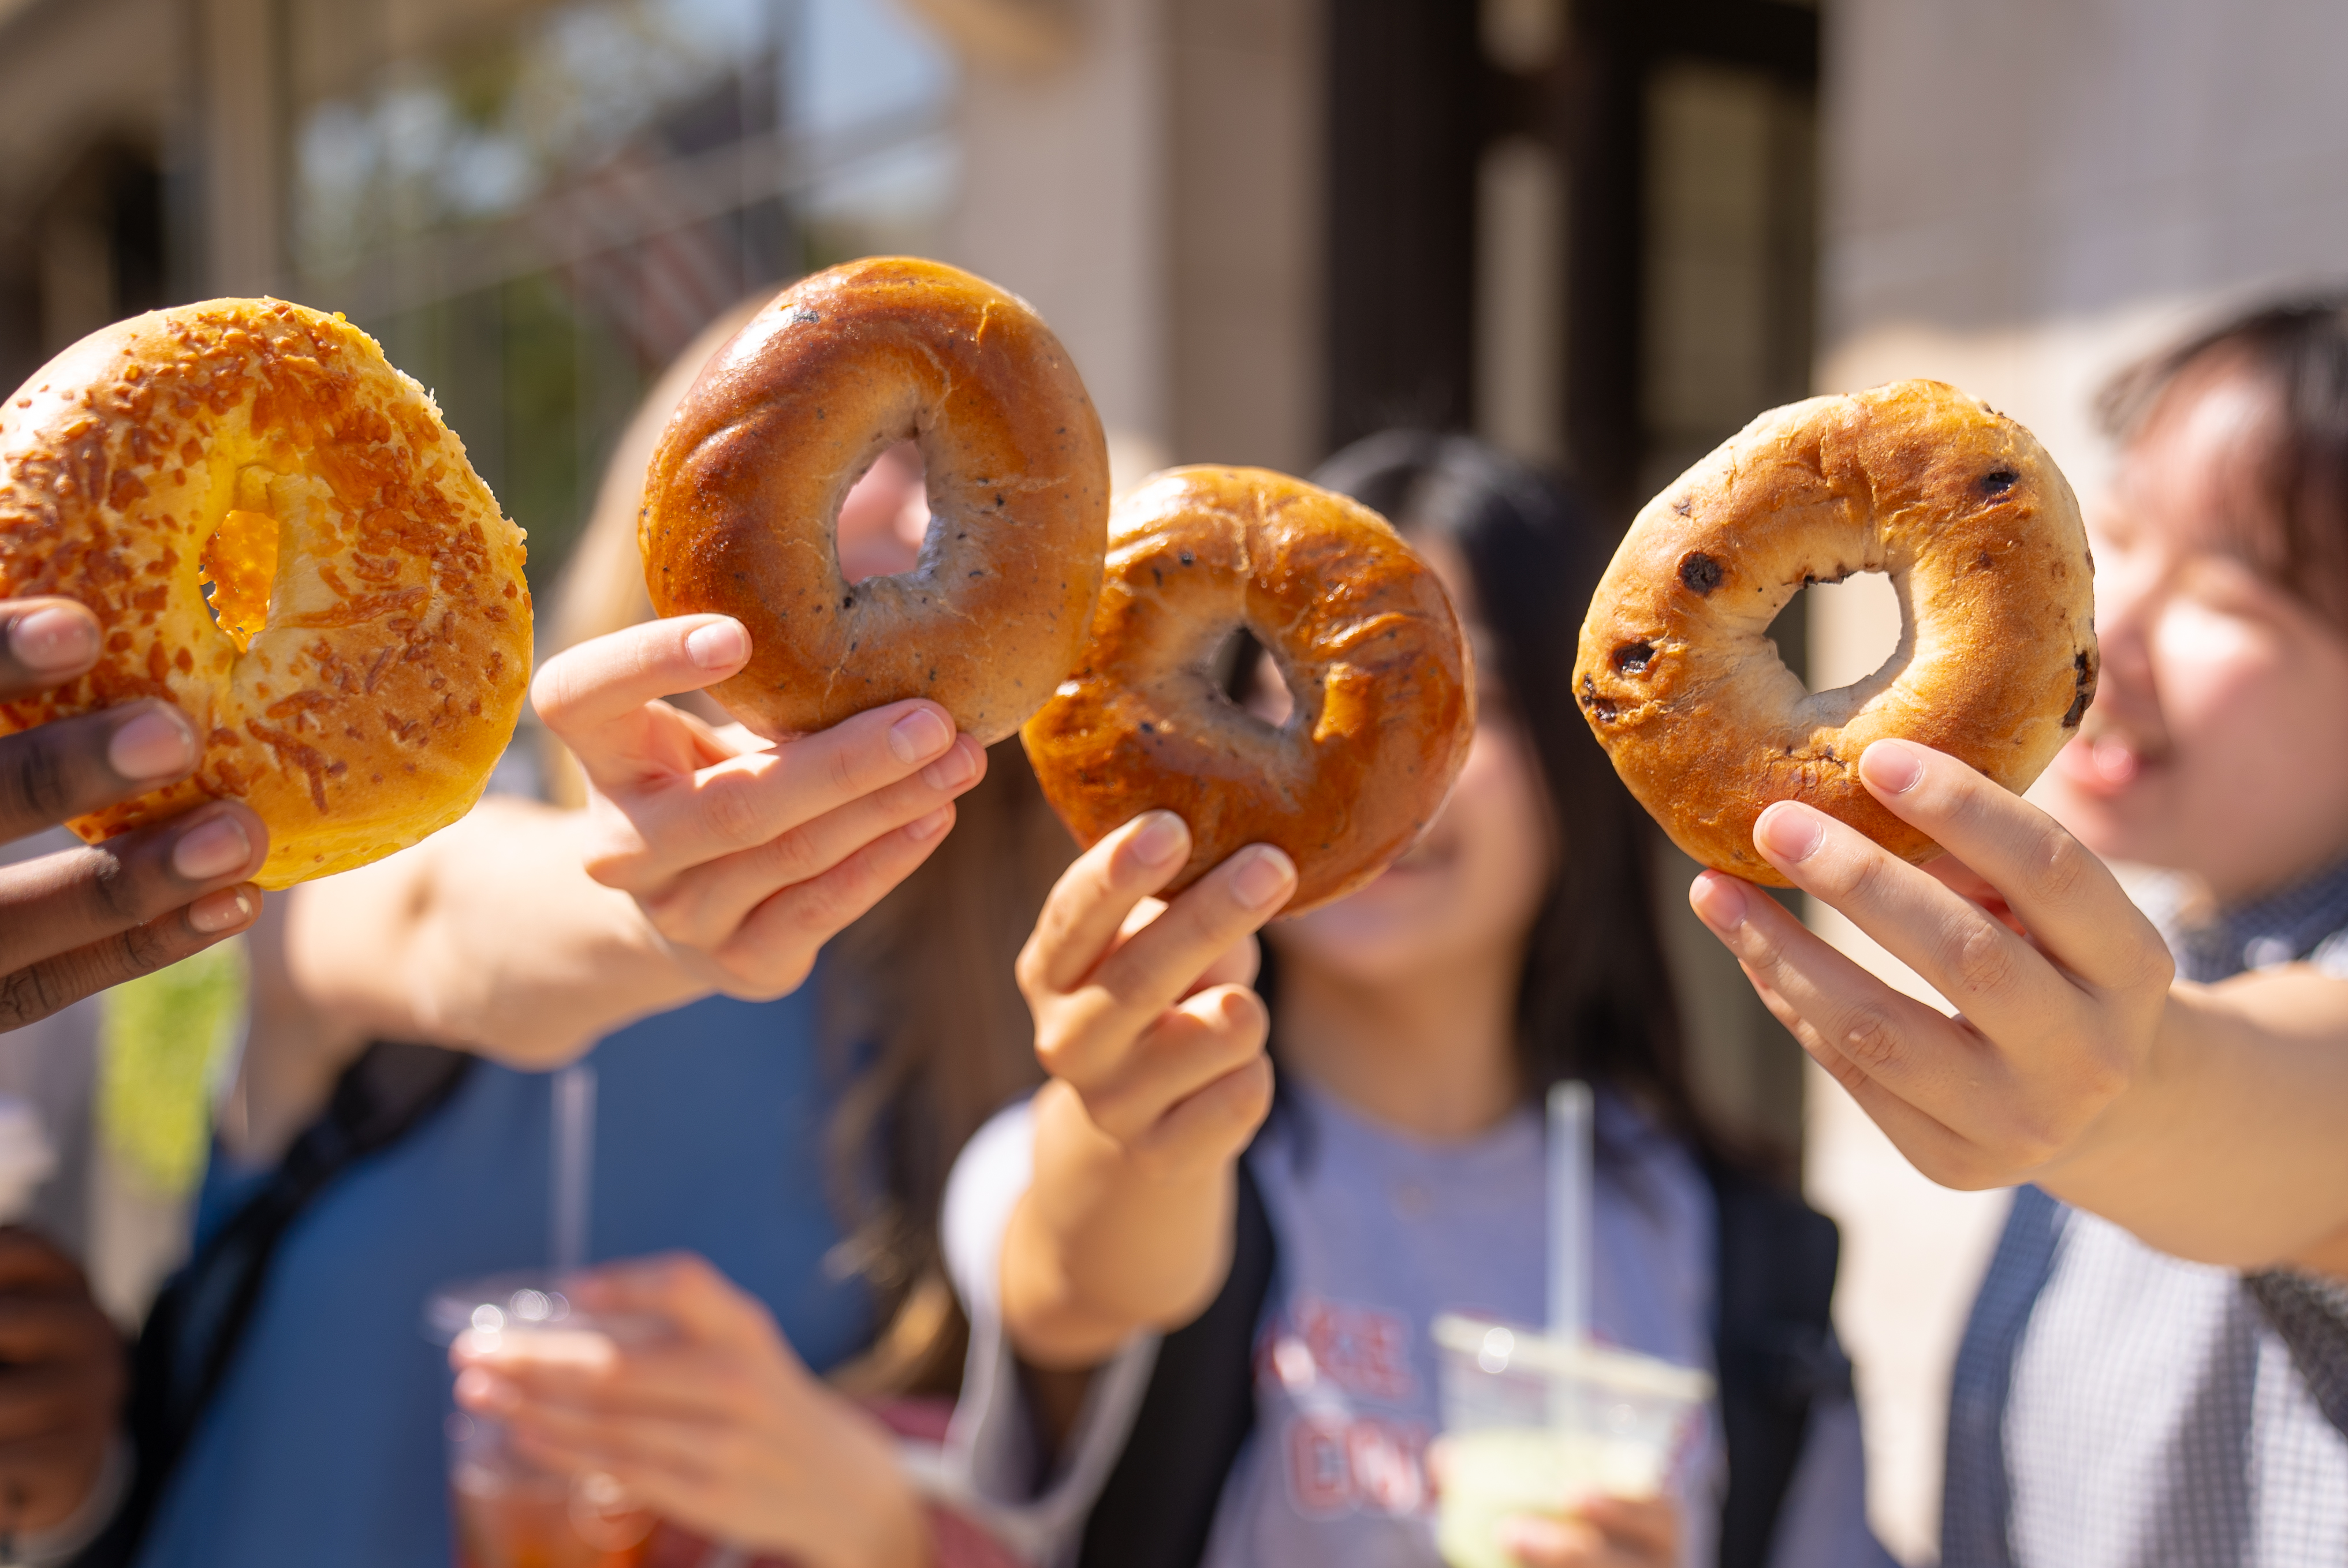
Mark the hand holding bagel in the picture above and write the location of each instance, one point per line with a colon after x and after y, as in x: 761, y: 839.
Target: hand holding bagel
x: 79, y: 921
x: 743, y: 855
x: 1155, y: 1043
x: 278, y: 534
x: 2073, y: 1062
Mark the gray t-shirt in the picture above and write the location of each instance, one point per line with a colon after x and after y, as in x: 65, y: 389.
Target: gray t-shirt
x: 1377, y: 1232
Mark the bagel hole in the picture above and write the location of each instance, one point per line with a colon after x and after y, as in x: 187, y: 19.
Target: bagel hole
x: 1244, y: 672
x: 1837, y: 634
x: 236, y: 572
x: 885, y: 517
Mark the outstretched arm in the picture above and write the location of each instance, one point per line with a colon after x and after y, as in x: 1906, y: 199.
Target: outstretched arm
x: 2207, y: 1119
x: 707, y: 860
x: 1155, y: 1046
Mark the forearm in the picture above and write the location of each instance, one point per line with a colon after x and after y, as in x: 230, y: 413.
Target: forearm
x: 1101, y: 1247
x: 487, y: 936
x: 2232, y: 1147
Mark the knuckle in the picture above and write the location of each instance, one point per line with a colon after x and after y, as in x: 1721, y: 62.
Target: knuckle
x: 36, y: 777
x: 2031, y: 1141
x: 840, y: 773
x: 30, y: 994
x: 1055, y: 1053
x: 759, y: 976
x: 146, y: 948
x: 2152, y: 964
x: 1963, y: 1169
x: 1869, y: 1039
x: 1985, y: 961
x: 114, y: 891
x: 793, y: 858
x: 13, y: 1009
x: 671, y: 914
x: 730, y: 812
x: 824, y: 906
x: 2063, y: 868
x: 1862, y: 874
x: 1027, y: 970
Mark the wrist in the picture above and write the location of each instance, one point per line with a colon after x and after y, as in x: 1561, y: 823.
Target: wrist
x: 885, y: 1523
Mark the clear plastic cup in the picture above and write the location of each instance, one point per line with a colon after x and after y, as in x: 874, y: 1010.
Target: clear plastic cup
x: 1534, y: 1425
x: 507, y: 1511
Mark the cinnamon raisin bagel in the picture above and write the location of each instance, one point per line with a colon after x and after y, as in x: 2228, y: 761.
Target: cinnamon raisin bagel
x: 365, y: 649
x: 1981, y: 536
x: 742, y: 500
x: 1362, y: 631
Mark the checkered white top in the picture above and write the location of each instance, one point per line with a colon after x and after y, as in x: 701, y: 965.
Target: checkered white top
x: 2116, y: 1408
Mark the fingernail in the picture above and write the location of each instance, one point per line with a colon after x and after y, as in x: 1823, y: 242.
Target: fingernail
x: 928, y: 827
x: 1162, y: 837
x: 1788, y: 832
x: 920, y: 734
x: 54, y: 638
x: 1263, y: 877
x: 1718, y: 901
x: 224, y: 910
x: 718, y: 645
x: 211, y: 849
x: 953, y: 770
x: 1890, y: 767
x: 159, y: 743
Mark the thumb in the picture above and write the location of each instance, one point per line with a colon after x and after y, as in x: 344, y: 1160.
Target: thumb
x: 606, y: 678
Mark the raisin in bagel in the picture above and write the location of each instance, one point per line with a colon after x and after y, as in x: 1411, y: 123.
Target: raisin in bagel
x: 1981, y: 538
x: 366, y: 649
x: 742, y: 500
x: 1363, y: 636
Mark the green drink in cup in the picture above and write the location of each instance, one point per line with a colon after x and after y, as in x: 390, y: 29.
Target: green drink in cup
x: 1534, y: 1425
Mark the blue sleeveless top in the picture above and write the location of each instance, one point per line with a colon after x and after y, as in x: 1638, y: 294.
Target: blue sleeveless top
x: 325, y: 1444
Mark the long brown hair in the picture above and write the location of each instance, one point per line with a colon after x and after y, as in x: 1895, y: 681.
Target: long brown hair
x: 920, y: 1017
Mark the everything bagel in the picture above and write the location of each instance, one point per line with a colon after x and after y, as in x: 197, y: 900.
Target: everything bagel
x: 1981, y: 536
x: 1362, y: 631
x: 742, y: 500
x: 366, y: 648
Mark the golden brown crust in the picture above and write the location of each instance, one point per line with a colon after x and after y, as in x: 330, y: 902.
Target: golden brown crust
x: 1364, y: 635
x: 390, y: 671
x: 744, y: 490
x: 1981, y: 535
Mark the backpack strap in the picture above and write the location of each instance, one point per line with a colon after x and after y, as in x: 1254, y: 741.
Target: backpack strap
x: 197, y: 1322
x: 1159, y: 1503
x: 1775, y: 1347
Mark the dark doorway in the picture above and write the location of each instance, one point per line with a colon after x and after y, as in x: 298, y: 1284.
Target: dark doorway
x: 1585, y: 230
x: 1676, y: 139
x: 99, y: 248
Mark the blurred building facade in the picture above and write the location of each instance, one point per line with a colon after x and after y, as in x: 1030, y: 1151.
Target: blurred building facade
x: 1602, y: 233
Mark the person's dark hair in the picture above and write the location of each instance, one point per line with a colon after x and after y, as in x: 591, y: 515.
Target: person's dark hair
x: 1596, y: 1000
x: 2292, y: 524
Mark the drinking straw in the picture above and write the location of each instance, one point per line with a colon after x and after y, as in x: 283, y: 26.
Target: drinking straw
x: 1568, y: 1212
x: 574, y: 1149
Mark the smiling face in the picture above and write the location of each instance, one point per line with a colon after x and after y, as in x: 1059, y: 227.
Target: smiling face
x: 1472, y: 885
x: 2217, y: 743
